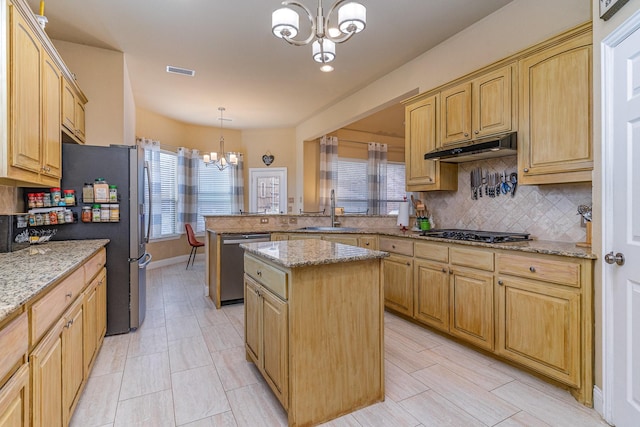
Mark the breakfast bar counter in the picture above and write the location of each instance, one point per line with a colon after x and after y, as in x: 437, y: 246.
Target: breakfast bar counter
x: 314, y: 325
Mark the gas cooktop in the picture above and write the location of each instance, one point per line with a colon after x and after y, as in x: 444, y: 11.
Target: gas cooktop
x: 476, y: 235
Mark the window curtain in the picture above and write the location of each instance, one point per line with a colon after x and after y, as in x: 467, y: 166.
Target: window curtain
x: 187, y: 180
x: 328, y: 170
x: 154, y: 200
x: 237, y: 185
x: 377, y: 178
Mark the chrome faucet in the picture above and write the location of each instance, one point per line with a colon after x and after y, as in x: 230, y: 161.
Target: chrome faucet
x: 334, y: 223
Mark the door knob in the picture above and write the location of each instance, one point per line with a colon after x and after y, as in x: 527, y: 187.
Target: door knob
x: 618, y: 258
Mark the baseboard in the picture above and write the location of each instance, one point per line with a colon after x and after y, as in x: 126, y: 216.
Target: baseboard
x: 171, y: 261
x: 598, y: 403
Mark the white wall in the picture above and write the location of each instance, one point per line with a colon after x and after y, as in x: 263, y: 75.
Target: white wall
x: 100, y: 75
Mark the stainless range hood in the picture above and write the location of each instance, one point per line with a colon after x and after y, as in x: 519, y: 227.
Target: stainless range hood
x: 486, y: 148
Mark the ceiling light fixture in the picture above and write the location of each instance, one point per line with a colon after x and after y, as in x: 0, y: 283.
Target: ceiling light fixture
x: 352, y: 18
x: 224, y: 159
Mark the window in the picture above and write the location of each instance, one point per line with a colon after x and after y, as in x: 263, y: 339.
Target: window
x: 351, y: 191
x: 168, y: 194
x: 214, y: 193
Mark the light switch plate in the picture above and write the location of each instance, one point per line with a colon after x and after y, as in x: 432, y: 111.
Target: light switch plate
x: 264, y: 220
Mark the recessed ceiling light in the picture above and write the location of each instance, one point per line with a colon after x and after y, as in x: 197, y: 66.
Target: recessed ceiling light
x: 326, y: 68
x: 182, y: 71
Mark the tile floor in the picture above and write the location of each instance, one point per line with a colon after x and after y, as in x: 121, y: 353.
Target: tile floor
x: 186, y: 367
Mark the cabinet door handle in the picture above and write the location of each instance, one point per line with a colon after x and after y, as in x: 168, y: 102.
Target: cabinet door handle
x: 532, y: 269
x: 409, y: 264
x: 500, y: 282
x: 466, y: 134
x: 393, y: 246
x: 525, y: 170
x: 259, y: 273
x: 366, y: 244
x: 69, y: 295
x: 444, y: 270
x: 476, y: 132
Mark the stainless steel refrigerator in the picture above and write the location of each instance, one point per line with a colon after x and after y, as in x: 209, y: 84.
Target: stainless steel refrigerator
x: 127, y: 258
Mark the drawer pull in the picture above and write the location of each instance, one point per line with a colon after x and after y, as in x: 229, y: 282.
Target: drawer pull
x: 500, y: 282
x: 444, y: 270
x: 366, y: 244
x: 259, y: 273
x: 393, y: 246
x: 532, y: 269
x: 409, y: 264
x: 69, y: 295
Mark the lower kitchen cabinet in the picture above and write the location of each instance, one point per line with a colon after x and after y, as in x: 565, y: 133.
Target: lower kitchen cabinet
x: 431, y: 294
x: 471, y: 302
x: 398, y: 283
x: 539, y: 326
x: 266, y: 336
x: 345, y: 239
x: 46, y: 374
x: 72, y: 359
x: 14, y: 400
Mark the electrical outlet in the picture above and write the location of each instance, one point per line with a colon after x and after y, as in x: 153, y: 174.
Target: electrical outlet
x: 293, y: 220
x: 264, y: 220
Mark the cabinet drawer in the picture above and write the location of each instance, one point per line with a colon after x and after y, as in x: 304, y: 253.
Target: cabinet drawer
x: 95, y: 264
x: 49, y: 308
x: 13, y: 344
x: 547, y: 270
x: 368, y: 242
x: 397, y: 246
x: 474, y: 258
x: 270, y: 277
x: 432, y: 251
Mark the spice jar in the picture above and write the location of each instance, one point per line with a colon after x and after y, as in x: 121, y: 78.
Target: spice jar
x: 113, y: 193
x: 39, y: 220
x: 95, y: 213
x: 68, y: 216
x: 56, y: 196
x: 32, y: 200
x: 39, y: 200
x: 100, y: 191
x: 70, y: 197
x: 114, y: 213
x: 104, y: 213
x: 61, y: 217
x: 86, y: 214
x: 87, y: 192
x: 46, y: 200
x: 53, y: 217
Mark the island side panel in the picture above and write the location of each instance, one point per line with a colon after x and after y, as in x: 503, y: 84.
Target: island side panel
x: 336, y: 362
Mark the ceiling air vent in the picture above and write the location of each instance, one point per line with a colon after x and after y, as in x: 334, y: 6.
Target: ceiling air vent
x: 178, y: 70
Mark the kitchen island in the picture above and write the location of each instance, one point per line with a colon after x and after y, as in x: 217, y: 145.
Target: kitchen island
x: 314, y: 325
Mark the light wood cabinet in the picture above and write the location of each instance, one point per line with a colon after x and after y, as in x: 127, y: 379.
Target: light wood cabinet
x: 73, y: 112
x: 101, y: 308
x: 90, y: 320
x: 72, y: 359
x: 471, y: 301
x: 555, y: 112
x: 14, y: 400
x: 478, y: 108
x: 295, y: 334
x: 397, y: 274
x: 345, y: 239
x: 368, y: 242
x: 431, y: 294
x: 421, y: 136
x: 545, y: 318
x: 32, y: 101
x: 266, y: 335
x: 46, y: 373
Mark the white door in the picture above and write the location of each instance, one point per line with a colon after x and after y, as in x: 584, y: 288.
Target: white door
x: 621, y: 210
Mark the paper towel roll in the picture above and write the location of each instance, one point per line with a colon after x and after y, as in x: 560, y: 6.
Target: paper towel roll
x: 403, y: 214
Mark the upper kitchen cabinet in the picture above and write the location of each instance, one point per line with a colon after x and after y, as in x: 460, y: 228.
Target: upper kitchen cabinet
x: 421, y: 136
x: 477, y: 108
x: 73, y: 101
x: 31, y: 100
x: 555, y: 111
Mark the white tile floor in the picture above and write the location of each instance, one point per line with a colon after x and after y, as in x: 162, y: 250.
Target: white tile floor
x: 186, y: 367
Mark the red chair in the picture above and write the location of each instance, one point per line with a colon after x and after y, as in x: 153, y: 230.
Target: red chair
x: 195, y: 244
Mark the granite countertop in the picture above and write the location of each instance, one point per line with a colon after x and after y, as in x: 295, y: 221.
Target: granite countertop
x: 27, y: 272
x: 308, y: 252
x: 547, y: 247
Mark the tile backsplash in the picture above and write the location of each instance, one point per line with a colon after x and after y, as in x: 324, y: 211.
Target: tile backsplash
x: 8, y: 196
x: 547, y: 212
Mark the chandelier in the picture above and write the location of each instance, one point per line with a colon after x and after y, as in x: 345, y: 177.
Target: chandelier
x: 223, y: 159
x: 352, y: 18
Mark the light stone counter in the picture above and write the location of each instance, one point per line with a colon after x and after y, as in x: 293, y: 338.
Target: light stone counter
x: 26, y: 273
x: 304, y: 253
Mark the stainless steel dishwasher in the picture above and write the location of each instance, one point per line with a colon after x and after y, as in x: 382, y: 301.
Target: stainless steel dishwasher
x: 232, y: 265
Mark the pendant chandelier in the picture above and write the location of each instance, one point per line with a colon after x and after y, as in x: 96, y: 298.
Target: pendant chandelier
x: 221, y: 159
x: 352, y: 18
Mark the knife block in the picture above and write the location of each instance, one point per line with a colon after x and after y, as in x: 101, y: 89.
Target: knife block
x: 587, y: 242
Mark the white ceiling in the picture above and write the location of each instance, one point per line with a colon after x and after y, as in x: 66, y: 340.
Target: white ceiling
x: 262, y: 81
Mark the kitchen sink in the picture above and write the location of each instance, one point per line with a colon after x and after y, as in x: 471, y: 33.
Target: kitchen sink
x: 328, y: 229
